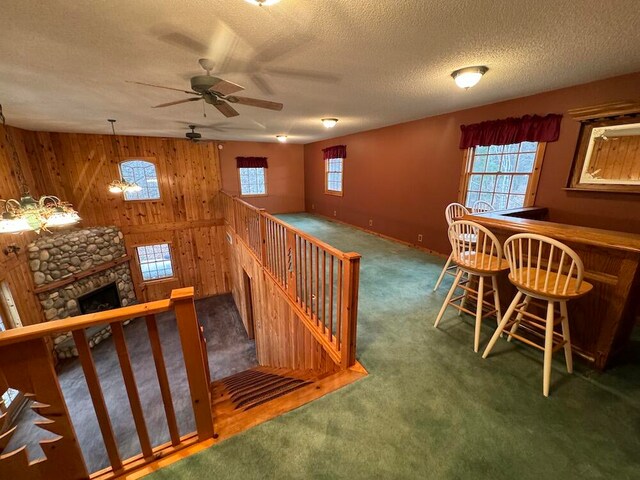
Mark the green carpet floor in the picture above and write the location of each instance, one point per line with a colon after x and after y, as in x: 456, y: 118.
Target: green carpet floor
x: 431, y: 407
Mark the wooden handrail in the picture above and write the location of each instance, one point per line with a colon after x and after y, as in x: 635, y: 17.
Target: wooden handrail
x: 39, y: 330
x: 320, y: 281
x: 26, y: 364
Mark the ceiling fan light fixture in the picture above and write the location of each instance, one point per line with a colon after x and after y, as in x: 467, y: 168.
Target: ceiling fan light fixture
x: 261, y: 3
x: 329, y: 122
x: 282, y: 138
x: 469, y: 76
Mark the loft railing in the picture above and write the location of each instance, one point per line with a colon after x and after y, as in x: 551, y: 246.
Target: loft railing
x: 321, y: 281
x: 26, y: 365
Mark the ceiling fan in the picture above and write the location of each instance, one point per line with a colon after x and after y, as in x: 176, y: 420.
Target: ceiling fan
x: 215, y: 91
x: 196, y: 137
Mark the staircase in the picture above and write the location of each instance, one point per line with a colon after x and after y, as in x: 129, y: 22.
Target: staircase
x: 254, y: 387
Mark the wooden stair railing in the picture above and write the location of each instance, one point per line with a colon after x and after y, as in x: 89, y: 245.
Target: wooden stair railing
x: 26, y: 365
x: 320, y: 281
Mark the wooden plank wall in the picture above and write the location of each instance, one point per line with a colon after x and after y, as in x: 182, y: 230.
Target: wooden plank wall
x: 15, y: 269
x: 78, y: 168
x: 282, y: 340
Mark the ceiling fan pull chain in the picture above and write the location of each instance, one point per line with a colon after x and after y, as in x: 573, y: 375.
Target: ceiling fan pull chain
x: 204, y: 109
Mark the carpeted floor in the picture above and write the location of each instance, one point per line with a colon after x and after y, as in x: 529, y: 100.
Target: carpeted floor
x: 431, y: 407
x: 229, y: 349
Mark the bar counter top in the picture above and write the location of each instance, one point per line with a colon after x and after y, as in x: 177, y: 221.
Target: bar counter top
x: 602, y: 321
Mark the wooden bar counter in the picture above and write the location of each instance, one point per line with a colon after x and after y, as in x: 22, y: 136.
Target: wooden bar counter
x: 602, y: 321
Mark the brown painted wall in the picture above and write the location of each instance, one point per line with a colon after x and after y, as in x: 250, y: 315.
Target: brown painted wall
x: 403, y: 176
x: 285, y: 175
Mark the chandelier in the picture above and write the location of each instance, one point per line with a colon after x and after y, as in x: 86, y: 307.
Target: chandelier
x: 29, y: 214
x: 121, y: 186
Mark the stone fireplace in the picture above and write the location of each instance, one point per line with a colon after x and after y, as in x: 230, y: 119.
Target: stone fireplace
x: 81, y: 271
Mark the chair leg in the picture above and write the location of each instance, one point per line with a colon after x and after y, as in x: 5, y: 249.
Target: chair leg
x: 496, y: 299
x: 463, y: 302
x: 444, y: 270
x: 476, y: 337
x: 504, y: 321
x: 548, y: 350
x: 448, y: 299
x: 514, y: 328
x: 567, y: 336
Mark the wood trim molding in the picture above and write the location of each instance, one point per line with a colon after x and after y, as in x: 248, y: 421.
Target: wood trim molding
x: 73, y: 278
x: 614, y: 109
x: 170, y: 226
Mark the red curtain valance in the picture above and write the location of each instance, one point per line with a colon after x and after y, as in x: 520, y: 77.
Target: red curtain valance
x: 252, y: 162
x: 337, y: 151
x: 530, y: 128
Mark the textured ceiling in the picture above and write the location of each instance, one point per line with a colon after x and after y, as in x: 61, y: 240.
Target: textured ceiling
x: 63, y: 64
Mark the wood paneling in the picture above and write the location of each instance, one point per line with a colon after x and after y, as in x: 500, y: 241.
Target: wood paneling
x: 78, y: 168
x: 282, y: 340
x: 14, y: 269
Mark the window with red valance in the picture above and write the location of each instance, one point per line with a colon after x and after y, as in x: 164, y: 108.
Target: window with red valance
x: 252, y: 173
x: 333, y: 173
x: 503, y: 159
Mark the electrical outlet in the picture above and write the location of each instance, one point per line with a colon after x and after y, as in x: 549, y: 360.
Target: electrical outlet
x: 335, y: 214
x: 313, y: 206
x: 420, y: 237
x: 371, y: 223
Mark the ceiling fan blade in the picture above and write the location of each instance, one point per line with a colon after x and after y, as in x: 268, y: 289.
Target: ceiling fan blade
x: 255, y: 102
x: 224, y: 87
x: 160, y: 86
x: 226, y: 109
x: 177, y: 102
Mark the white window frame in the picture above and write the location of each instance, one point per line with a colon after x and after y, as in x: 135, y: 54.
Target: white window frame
x: 532, y: 184
x: 327, y: 190
x: 142, y: 181
x: 264, y: 176
x: 141, y: 263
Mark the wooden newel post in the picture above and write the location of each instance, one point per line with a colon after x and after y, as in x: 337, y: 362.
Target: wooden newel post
x: 349, y: 313
x: 194, y: 360
x: 263, y: 235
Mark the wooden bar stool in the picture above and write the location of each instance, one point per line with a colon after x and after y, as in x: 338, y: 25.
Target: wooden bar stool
x: 482, y: 259
x: 452, y: 212
x: 545, y: 269
x: 482, y: 207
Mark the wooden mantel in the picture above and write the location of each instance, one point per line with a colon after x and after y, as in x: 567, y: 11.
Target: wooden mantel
x: 86, y: 273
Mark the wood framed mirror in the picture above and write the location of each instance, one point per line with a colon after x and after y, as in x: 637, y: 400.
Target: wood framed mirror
x: 607, y: 156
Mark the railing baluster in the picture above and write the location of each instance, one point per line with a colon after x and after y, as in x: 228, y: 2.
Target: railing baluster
x: 163, y: 379
x: 132, y: 390
x: 95, y: 391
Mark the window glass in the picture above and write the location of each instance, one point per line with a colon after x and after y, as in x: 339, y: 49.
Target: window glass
x: 334, y: 175
x: 500, y: 174
x: 155, y: 261
x: 252, y: 181
x: 144, y: 175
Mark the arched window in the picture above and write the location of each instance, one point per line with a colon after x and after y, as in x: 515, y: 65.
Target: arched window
x: 143, y: 174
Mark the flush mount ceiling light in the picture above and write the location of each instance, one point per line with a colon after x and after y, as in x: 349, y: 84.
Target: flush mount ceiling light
x: 282, y: 138
x: 469, y: 76
x: 329, y: 122
x: 260, y: 3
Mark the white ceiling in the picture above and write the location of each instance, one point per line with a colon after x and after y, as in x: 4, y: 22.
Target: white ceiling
x: 63, y: 64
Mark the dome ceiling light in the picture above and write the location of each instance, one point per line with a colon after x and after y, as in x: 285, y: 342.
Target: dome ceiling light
x: 469, y: 76
x: 329, y: 122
